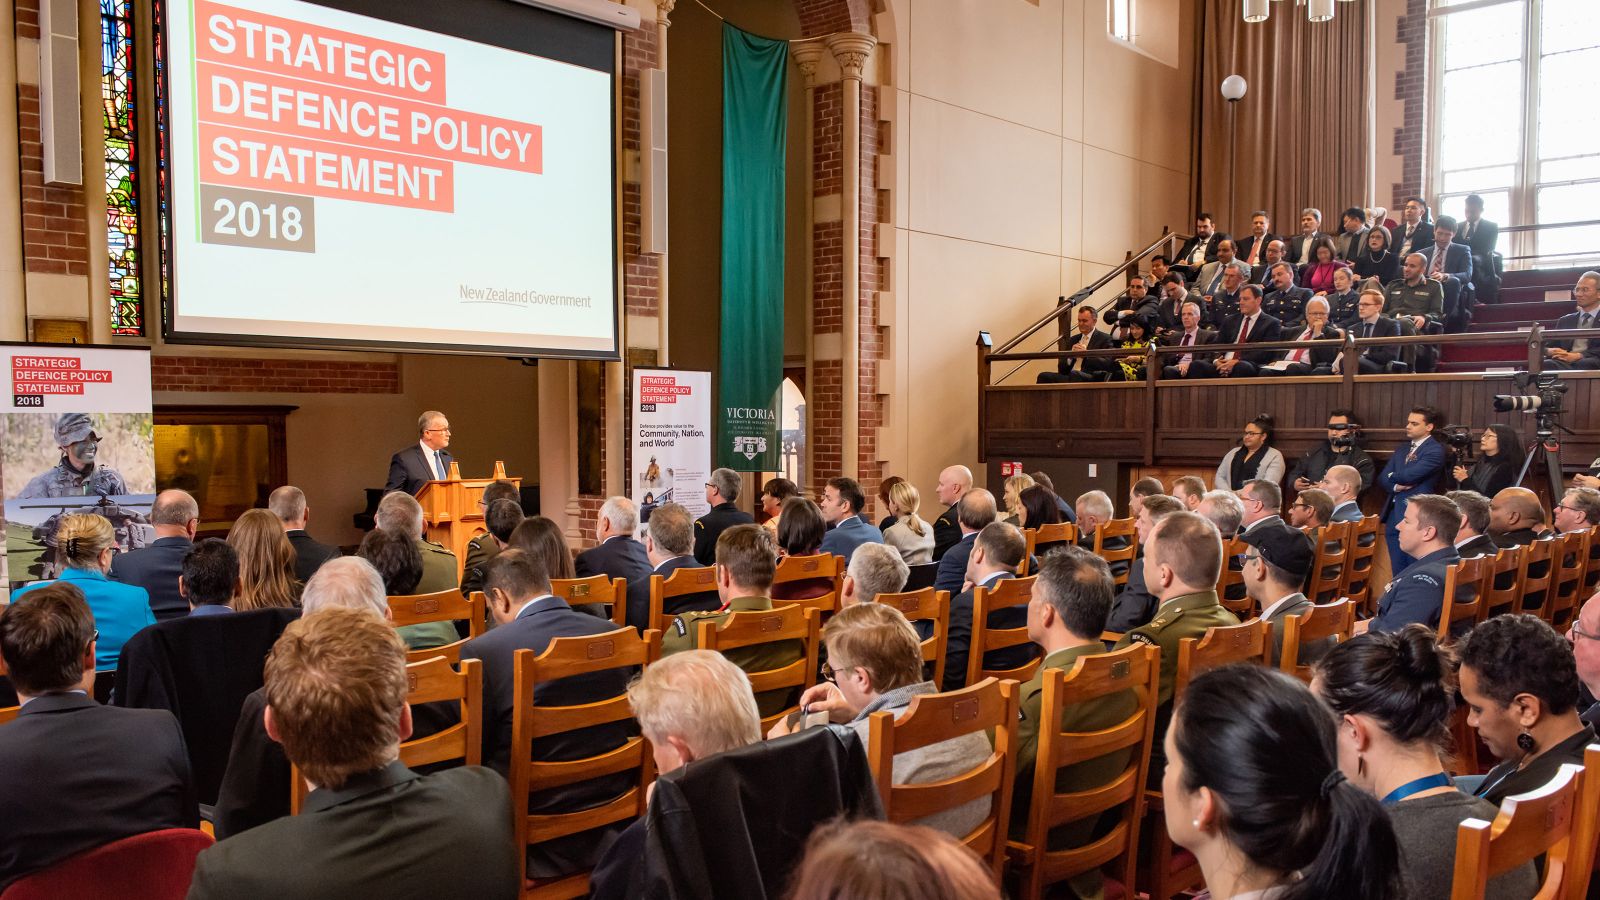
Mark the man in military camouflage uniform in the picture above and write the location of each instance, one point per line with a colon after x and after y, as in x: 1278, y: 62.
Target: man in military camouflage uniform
x: 1182, y: 560
x: 1068, y: 610
x: 76, y: 475
x: 746, y: 563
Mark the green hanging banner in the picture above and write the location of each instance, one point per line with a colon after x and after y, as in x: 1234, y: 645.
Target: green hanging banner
x: 754, y: 125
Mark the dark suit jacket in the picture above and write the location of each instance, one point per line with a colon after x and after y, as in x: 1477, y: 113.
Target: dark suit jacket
x: 1202, y: 336
x: 408, y: 471
x: 710, y: 526
x: 75, y: 775
x: 953, y: 565
x: 1485, y: 235
x: 309, y: 554
x: 1098, y: 340
x: 1482, y: 545
x: 1245, y: 244
x: 1266, y: 328
x: 1318, y: 356
x: 1182, y: 258
x: 1570, y: 320
x: 1421, y: 235
x: 1169, y: 315
x: 1457, y: 260
x: 385, y: 833
x: 1293, y: 243
x: 958, y: 647
x: 843, y: 539
x: 1384, y: 327
x: 617, y: 557
x: 156, y: 569
x: 538, y: 625
x: 946, y: 532
x: 1421, y: 473
x: 639, y: 592
x: 1145, y: 307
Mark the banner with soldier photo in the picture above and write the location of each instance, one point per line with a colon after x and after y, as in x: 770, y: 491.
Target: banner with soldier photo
x: 671, y: 440
x: 77, y: 436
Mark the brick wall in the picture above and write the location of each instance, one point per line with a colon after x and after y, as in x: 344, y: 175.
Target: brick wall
x: 869, y: 342
x: 55, y: 238
x: 640, y: 280
x: 818, y: 17
x: 286, y: 376
x: 1411, y: 88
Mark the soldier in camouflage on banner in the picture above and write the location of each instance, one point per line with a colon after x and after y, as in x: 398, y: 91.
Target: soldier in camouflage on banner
x: 76, y: 475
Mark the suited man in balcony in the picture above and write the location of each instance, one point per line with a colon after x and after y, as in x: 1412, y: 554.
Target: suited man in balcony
x: 1580, y: 353
x: 1480, y: 235
x: 1252, y: 248
x: 1175, y: 292
x: 1209, y: 279
x: 1191, y: 335
x: 1087, y: 337
x: 1250, y: 326
x: 1450, y: 265
x: 1416, y: 228
x: 1372, y: 324
x: 1353, y: 236
x: 1138, y: 299
x: 1277, y: 251
x: 412, y: 468
x: 1223, y: 304
x: 1312, y: 360
x: 1283, y: 299
x: 1200, y: 249
x: 1301, y: 245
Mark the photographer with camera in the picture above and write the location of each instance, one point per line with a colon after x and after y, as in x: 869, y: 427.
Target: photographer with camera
x: 1342, y: 448
x: 1498, y: 467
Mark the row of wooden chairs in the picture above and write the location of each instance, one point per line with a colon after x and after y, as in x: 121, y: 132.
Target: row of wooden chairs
x: 1549, y: 578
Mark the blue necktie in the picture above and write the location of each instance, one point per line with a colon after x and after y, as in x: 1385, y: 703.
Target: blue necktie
x: 438, y: 462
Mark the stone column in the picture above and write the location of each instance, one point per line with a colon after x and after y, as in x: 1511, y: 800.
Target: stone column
x: 806, y: 55
x: 852, y: 51
x: 663, y: 10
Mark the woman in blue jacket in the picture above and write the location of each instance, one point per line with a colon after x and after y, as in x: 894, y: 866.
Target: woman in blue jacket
x: 87, y: 543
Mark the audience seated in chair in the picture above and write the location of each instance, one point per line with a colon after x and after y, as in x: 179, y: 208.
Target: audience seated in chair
x: 875, y: 569
x: 1254, y: 458
x: 876, y: 662
x: 1344, y: 485
x: 1472, y: 538
x: 1308, y: 360
x: 175, y: 516
x: 1578, y: 353
x: 288, y: 503
x: 400, y: 513
x: 75, y: 775
x: 1449, y: 265
x: 1311, y: 509
x: 954, y: 482
x: 1586, y: 654
x: 1516, y: 517
x: 1275, y: 571
x: 529, y: 617
x: 500, y: 521
x: 266, y: 561
x: 880, y: 859
x: 1258, y: 827
x: 1282, y: 299
x: 910, y: 535
x: 336, y: 689
x: 842, y: 502
x: 86, y: 544
x: 996, y: 553
x: 1392, y: 695
x: 976, y: 510
x: 617, y: 555
x: 1579, y: 510
x: 1520, y: 680
x: 722, y: 489
x: 1371, y: 323
x: 209, y: 580
x: 1416, y: 593
x: 1224, y: 510
x: 669, y: 546
x: 1134, y: 604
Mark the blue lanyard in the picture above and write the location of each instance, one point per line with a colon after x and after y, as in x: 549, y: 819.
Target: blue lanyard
x: 1425, y: 783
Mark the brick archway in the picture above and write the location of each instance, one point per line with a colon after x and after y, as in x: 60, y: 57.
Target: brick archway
x: 820, y: 17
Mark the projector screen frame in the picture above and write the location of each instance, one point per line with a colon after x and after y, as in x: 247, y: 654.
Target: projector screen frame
x: 564, y: 31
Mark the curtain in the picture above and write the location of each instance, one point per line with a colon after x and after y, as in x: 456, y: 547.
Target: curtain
x: 1302, y: 128
x: 755, y: 116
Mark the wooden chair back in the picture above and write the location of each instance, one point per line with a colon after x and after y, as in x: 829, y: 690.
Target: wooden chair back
x: 1117, y: 528
x: 990, y: 706
x: 1358, y: 565
x: 1007, y: 593
x: 1230, y: 580
x: 1054, y: 533
x: 1561, y: 604
x: 926, y: 605
x: 1538, y: 573
x: 781, y: 623
x: 432, y: 680
x: 1591, y: 565
x: 805, y: 568
x: 1336, y: 620
x: 681, y: 583
x: 1540, y: 822
x: 1465, y: 594
x: 1136, y: 668
x: 1220, y: 646
x: 595, y: 589
x: 624, y: 648
x: 1504, y: 591
x: 1327, y: 571
x: 1581, y: 861
x: 7, y: 713
x: 443, y: 606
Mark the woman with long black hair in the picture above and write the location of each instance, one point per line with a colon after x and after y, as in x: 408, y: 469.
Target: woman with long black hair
x: 1498, y: 467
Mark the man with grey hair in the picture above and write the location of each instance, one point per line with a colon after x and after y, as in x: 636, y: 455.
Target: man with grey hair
x: 874, y: 569
x: 1224, y: 510
x: 722, y: 489
x: 401, y: 513
x: 412, y: 468
x: 617, y: 555
x: 1299, y: 246
x: 288, y: 503
x: 156, y: 567
x: 349, y: 582
x: 1578, y: 510
x: 974, y: 511
x: 690, y: 706
x: 1262, y: 501
x: 1578, y: 353
x: 668, y: 542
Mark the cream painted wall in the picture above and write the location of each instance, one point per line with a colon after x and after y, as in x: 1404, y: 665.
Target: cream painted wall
x: 1028, y: 164
x: 1389, y: 59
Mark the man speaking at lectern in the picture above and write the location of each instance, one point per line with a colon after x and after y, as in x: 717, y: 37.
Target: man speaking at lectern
x: 414, y: 467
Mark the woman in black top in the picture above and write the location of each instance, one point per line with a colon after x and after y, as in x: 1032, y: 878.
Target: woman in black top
x: 1520, y: 680
x: 1498, y: 467
x: 1377, y: 259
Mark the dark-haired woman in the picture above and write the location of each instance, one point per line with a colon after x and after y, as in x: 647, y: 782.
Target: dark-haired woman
x: 1498, y: 467
x: 1376, y: 259
x: 1254, y: 458
x: 1252, y: 788
x: 800, y: 531
x: 1392, y: 694
x: 773, y: 493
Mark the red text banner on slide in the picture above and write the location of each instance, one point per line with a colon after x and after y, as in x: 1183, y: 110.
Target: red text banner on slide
x: 288, y: 106
x: 274, y: 162
x: 254, y: 40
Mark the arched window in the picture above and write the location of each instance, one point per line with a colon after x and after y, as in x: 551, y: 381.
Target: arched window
x: 793, y: 432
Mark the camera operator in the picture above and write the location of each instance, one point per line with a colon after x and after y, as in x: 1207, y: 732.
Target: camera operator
x: 1342, y: 448
x: 1498, y: 466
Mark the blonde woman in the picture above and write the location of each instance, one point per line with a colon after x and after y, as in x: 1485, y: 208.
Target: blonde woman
x: 86, y: 543
x: 1015, y: 485
x: 266, y: 562
x: 909, y: 534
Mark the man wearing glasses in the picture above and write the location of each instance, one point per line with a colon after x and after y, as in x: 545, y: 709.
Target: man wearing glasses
x: 414, y: 467
x: 1585, y: 637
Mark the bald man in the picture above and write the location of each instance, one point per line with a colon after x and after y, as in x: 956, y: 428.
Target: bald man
x: 1343, y: 484
x: 954, y: 482
x: 975, y: 511
x: 1516, y: 518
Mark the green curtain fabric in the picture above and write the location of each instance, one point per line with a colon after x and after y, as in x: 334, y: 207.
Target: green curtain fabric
x: 754, y: 125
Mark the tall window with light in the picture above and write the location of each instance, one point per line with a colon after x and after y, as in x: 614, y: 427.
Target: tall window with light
x: 121, y: 171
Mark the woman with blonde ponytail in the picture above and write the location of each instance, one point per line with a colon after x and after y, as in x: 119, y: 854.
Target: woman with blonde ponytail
x: 909, y: 534
x: 86, y: 543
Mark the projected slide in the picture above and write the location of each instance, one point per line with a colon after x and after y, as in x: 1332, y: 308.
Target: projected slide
x: 343, y: 180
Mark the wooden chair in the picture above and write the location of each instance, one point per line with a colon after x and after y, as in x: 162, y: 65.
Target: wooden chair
x: 1540, y: 822
x: 805, y: 568
x: 1580, y: 871
x: 1504, y: 591
x: 1221, y: 645
x: 432, y: 680
x: 1538, y: 573
x: 1007, y: 593
x: 753, y: 627
x: 1466, y: 587
x: 1358, y: 566
x: 1591, y: 570
x: 683, y: 582
x: 1327, y: 571
x: 1336, y: 620
x: 7, y: 713
x: 1117, y: 528
x: 990, y: 707
x: 595, y: 589
x: 1136, y: 668
x: 1230, y: 581
x: 624, y: 648
x: 444, y: 606
x: 926, y: 605
x: 1054, y: 533
x: 1561, y: 604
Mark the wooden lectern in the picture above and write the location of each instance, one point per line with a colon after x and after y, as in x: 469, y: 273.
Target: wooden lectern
x: 451, y: 513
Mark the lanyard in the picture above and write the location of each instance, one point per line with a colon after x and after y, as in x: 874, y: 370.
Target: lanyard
x: 1425, y: 783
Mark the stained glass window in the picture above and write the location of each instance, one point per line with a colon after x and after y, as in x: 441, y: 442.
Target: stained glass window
x: 122, y: 196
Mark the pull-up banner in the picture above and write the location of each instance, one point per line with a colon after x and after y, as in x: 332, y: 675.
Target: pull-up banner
x: 671, y: 440
x: 754, y: 126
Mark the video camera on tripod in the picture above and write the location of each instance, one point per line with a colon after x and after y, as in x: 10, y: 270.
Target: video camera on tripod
x: 1541, y: 396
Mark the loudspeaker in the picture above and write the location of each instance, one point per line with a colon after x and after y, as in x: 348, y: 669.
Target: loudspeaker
x: 653, y: 154
x: 60, y: 121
